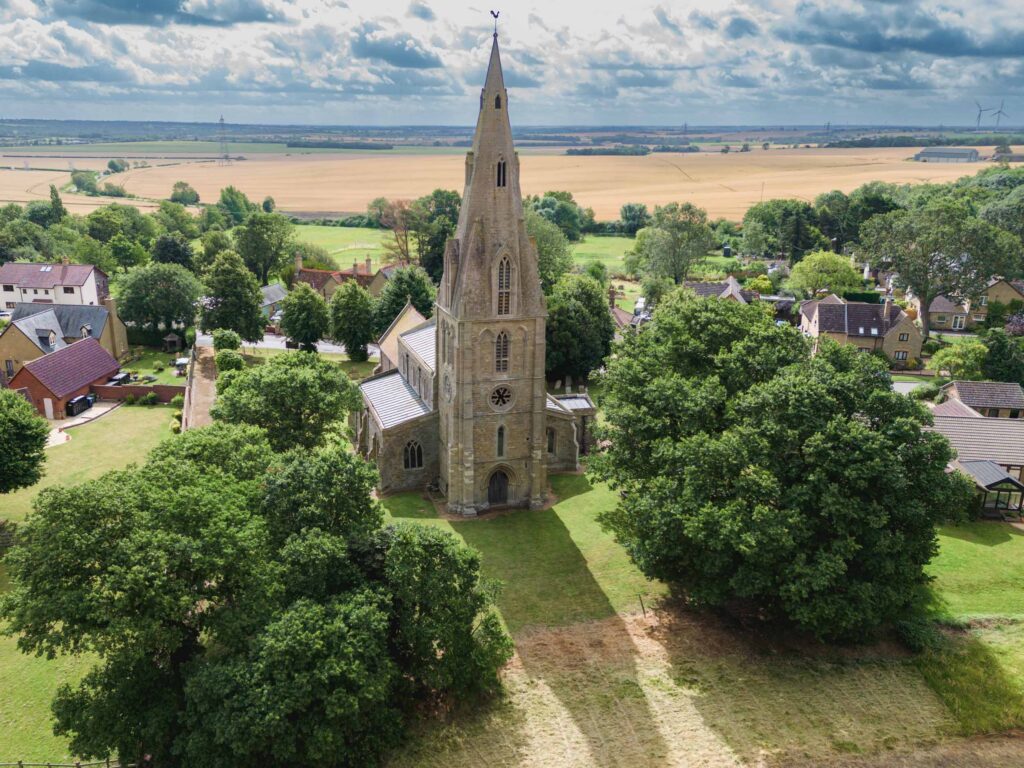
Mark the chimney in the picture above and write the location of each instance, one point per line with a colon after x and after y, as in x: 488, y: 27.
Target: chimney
x: 355, y: 268
x: 369, y: 265
x: 611, y: 297
x: 886, y: 313
x: 298, y: 261
x: 65, y: 260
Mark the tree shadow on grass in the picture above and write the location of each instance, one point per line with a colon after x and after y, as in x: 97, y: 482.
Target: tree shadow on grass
x: 989, y: 533
x: 778, y: 699
x: 578, y: 659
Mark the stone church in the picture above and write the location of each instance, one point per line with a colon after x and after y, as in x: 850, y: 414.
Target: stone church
x: 459, y: 402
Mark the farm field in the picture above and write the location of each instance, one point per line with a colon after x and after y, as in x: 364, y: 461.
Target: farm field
x: 22, y: 187
x: 330, y: 182
x: 346, y: 244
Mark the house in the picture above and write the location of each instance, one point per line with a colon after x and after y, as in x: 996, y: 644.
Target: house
x: 991, y: 453
x: 38, y: 329
x: 945, y: 314
x: 62, y: 283
x: 273, y: 295
x: 947, y: 155
x: 729, y: 290
x: 869, y: 327
x: 988, y: 398
x: 385, y: 273
x: 327, y: 281
x: 406, y: 320
x: 52, y: 380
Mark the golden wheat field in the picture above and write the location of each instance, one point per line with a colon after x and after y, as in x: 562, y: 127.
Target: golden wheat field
x: 724, y: 184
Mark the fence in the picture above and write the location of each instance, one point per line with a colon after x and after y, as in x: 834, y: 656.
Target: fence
x: 108, y: 763
x: 186, y: 410
x: 166, y: 392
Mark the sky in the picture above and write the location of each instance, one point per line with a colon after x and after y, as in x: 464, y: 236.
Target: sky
x: 567, y: 62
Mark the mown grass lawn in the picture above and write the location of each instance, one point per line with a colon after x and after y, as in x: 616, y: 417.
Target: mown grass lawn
x: 979, y: 572
x: 355, y: 370
x: 610, y: 251
x: 111, y: 442
x: 156, y: 363
x: 346, y: 244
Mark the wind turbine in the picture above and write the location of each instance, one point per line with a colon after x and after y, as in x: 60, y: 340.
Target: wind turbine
x: 981, y: 110
x: 999, y: 112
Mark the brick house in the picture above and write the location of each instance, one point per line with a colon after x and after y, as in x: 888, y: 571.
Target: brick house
x: 53, y: 379
x: 62, y: 283
x: 869, y: 327
x: 947, y: 315
x: 38, y: 329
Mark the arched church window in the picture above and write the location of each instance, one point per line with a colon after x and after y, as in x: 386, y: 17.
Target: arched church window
x: 551, y: 441
x: 505, y: 286
x: 451, y: 343
x: 502, y: 173
x: 497, y: 102
x: 413, y: 458
x: 501, y: 441
x: 501, y: 353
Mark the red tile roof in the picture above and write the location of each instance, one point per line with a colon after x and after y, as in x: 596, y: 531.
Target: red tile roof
x: 317, y: 278
x: 35, y: 275
x: 73, y: 367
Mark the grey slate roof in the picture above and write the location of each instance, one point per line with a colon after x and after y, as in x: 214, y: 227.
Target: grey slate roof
x: 70, y: 318
x: 989, y: 394
x: 272, y: 294
x: 37, y: 328
x: 942, y: 304
x: 987, y: 473
x: 392, y: 399
x: 423, y: 341
x: 852, y: 316
x: 998, y: 440
x: 575, y: 402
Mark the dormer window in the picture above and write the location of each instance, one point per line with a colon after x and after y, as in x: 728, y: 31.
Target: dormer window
x: 502, y: 177
x: 874, y: 331
x: 497, y: 101
x: 85, y: 330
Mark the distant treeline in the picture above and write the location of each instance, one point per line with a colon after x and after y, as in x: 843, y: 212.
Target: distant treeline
x: 676, y: 148
x: 608, y: 151
x: 327, y: 144
x: 981, y: 140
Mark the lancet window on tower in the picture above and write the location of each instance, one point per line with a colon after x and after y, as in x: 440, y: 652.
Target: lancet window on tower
x: 502, y: 177
x: 501, y: 441
x: 505, y: 286
x: 501, y: 353
x: 497, y: 101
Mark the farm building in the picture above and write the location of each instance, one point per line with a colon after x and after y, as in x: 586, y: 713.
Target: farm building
x: 54, y: 379
x: 947, y: 155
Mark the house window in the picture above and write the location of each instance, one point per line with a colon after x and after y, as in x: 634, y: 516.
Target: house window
x: 68, y: 289
x: 874, y: 331
x: 9, y: 288
x: 983, y: 301
x: 1014, y: 413
x: 502, y: 173
x: 497, y: 102
x: 978, y: 318
x: 993, y: 413
x: 904, y: 337
x: 901, y: 355
x: 501, y: 353
x: 959, y: 321
x: 12, y: 304
x: 940, y: 319
x: 551, y: 441
x: 505, y: 286
x: 860, y: 330
x: 501, y: 441
x: 413, y: 458
x: 863, y: 349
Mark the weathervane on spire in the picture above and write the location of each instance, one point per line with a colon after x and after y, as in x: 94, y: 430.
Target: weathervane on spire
x: 495, y: 14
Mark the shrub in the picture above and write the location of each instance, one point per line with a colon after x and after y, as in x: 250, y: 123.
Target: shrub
x: 228, y: 360
x: 177, y: 401
x: 925, y: 391
x: 225, y: 338
x: 190, y: 336
x: 150, y: 398
x: 130, y: 400
x: 931, y: 346
x: 158, y: 367
x: 918, y: 634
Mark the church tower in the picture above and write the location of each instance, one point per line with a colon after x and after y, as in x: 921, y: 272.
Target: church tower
x: 490, y: 330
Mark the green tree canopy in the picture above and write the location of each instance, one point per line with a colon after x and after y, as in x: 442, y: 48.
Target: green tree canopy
x: 23, y: 436
x: 789, y: 227
x: 127, y: 253
x: 184, y: 193
x: 159, y: 295
x: 351, y: 311
x: 246, y: 609
x: 263, y: 242
x: 304, y: 317
x: 172, y: 249
x: 965, y: 360
x: 824, y: 271
x: 634, y: 217
x: 234, y: 204
x: 1005, y: 358
x: 176, y: 220
x: 432, y: 222
x: 232, y: 299
x: 554, y: 255
x: 297, y: 397
x: 579, y: 328
x: 677, y: 240
x: 940, y: 249
x: 735, y: 491
x: 408, y: 284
